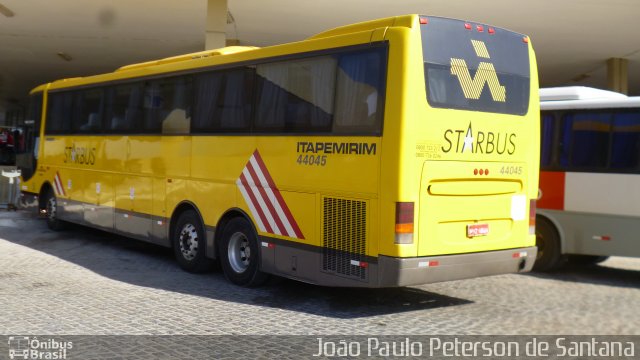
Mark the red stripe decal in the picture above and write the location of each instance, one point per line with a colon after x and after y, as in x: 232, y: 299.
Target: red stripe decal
x: 285, y: 217
x: 267, y: 201
x: 279, y: 197
x: 256, y: 204
x: 552, y: 185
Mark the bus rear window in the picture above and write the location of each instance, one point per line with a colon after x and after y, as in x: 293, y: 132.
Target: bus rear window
x: 469, y: 66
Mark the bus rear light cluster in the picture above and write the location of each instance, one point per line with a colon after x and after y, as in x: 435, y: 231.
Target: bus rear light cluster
x: 532, y: 217
x: 404, y: 222
x: 480, y: 28
x: 480, y: 171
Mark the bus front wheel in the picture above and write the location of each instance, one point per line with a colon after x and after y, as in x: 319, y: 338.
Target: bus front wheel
x: 190, y: 243
x: 548, y: 242
x: 239, y: 253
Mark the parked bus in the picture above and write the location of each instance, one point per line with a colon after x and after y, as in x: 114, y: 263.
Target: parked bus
x: 392, y: 152
x: 589, y: 180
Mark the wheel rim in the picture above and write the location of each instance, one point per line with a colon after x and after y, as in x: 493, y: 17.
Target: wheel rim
x: 52, y: 208
x: 189, y: 241
x: 239, y: 252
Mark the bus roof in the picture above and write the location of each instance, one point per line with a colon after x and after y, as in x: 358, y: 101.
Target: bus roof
x: 581, y: 97
x: 404, y: 21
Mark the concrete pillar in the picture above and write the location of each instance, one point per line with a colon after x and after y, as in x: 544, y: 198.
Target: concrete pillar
x: 216, y: 23
x: 617, y: 77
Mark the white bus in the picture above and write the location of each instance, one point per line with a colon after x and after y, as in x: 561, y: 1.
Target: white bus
x: 589, y: 200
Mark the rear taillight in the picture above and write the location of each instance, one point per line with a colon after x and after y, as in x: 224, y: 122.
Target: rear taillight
x: 404, y: 222
x: 532, y: 217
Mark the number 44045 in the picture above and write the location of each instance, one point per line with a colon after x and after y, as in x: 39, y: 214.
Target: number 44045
x: 511, y: 170
x: 312, y: 160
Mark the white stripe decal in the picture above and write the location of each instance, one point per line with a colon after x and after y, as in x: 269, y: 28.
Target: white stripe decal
x: 261, y: 203
x: 265, y: 201
x: 58, y: 185
x: 247, y: 199
x: 272, y: 198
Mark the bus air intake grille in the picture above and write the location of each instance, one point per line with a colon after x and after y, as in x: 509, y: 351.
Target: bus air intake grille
x: 344, y: 237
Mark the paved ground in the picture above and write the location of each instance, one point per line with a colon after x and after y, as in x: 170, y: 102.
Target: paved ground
x: 87, y: 282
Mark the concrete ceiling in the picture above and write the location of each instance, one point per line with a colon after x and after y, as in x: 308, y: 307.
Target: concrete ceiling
x: 572, y: 38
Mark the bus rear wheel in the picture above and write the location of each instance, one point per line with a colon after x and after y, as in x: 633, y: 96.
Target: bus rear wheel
x: 240, y: 255
x: 549, y: 255
x: 51, y: 211
x: 190, y: 243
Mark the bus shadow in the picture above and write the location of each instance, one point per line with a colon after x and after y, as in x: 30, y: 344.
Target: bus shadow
x: 599, y: 274
x: 143, y: 264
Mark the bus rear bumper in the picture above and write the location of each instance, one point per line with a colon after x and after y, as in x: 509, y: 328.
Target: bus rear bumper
x: 423, y: 270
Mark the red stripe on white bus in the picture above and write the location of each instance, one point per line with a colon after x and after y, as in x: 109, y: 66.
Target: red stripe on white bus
x: 552, y: 190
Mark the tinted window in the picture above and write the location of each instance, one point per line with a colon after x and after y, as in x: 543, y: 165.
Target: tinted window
x: 296, y: 96
x: 124, y: 108
x: 547, y: 141
x: 167, y: 106
x: 472, y: 70
x: 59, y: 113
x: 598, y: 141
x: 223, y: 100
x: 87, y: 112
x: 359, y: 92
x: 589, y: 139
x: 625, y: 141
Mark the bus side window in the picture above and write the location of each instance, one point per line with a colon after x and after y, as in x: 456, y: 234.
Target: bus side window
x: 88, y: 106
x: 296, y: 96
x: 223, y: 100
x: 59, y: 113
x: 546, y: 146
x: 124, y: 104
x: 166, y: 106
x: 359, y: 99
x: 590, y: 135
x: 625, y: 141
x: 235, y: 105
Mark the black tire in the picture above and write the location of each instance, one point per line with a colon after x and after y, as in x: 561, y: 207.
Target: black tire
x: 51, y: 206
x: 548, y: 242
x: 189, y: 242
x: 586, y: 260
x: 240, y: 254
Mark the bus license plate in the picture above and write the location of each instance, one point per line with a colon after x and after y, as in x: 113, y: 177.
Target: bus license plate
x: 477, y: 230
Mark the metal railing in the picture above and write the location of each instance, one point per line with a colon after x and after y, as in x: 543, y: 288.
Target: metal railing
x: 9, y: 187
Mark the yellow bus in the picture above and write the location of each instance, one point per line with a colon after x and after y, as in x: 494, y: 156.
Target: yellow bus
x: 393, y: 152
